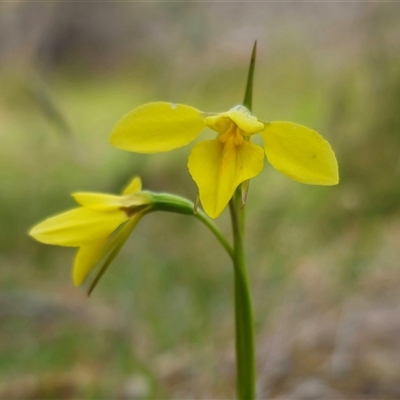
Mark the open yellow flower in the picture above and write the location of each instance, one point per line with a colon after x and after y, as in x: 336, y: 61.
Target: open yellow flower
x: 91, y: 226
x: 218, y: 166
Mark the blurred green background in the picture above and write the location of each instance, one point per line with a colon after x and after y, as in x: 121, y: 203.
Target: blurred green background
x: 323, y: 260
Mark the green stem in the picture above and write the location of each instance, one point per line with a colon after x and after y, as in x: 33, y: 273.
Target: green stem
x: 244, y: 320
x: 180, y: 205
x: 241, y: 211
x: 217, y: 233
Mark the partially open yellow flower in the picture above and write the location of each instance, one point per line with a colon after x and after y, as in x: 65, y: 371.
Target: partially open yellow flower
x: 90, y: 226
x: 218, y: 166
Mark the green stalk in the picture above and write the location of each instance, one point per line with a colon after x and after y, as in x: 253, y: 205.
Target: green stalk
x: 245, y: 350
x: 172, y: 203
x: 244, y: 320
x: 217, y: 233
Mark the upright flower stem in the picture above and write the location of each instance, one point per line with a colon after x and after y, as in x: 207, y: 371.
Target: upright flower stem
x: 244, y: 320
x: 217, y: 233
x: 172, y: 203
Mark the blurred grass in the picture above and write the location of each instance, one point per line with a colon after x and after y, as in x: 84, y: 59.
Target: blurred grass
x: 166, y: 303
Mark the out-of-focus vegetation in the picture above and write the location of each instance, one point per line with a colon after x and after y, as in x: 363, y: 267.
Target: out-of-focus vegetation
x: 323, y: 261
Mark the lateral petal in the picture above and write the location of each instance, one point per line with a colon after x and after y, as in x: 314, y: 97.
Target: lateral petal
x: 78, y: 227
x: 218, y: 168
x: 300, y: 153
x: 157, y: 127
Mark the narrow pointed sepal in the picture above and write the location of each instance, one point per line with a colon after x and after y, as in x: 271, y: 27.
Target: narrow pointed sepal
x: 244, y: 191
x: 113, y: 247
x: 196, y: 203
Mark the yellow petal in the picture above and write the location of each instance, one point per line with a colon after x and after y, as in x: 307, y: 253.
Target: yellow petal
x: 135, y: 185
x: 219, y: 123
x: 91, y: 254
x: 99, y: 201
x: 240, y: 115
x: 300, y: 153
x: 157, y: 127
x: 218, y: 168
x: 78, y: 227
x: 109, y: 202
x: 86, y: 258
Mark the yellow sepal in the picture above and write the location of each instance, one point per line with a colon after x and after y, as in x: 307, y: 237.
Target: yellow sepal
x: 86, y: 258
x: 77, y: 227
x: 300, y: 153
x: 157, y: 127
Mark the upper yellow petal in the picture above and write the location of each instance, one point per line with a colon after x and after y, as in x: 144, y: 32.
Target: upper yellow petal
x: 78, y: 227
x: 219, y: 123
x: 135, y: 185
x: 157, y: 127
x: 240, y: 115
x: 109, y: 202
x: 300, y: 153
x: 218, y: 168
x: 99, y: 201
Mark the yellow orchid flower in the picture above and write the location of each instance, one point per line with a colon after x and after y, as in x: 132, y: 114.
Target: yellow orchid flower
x: 218, y: 166
x: 90, y: 226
